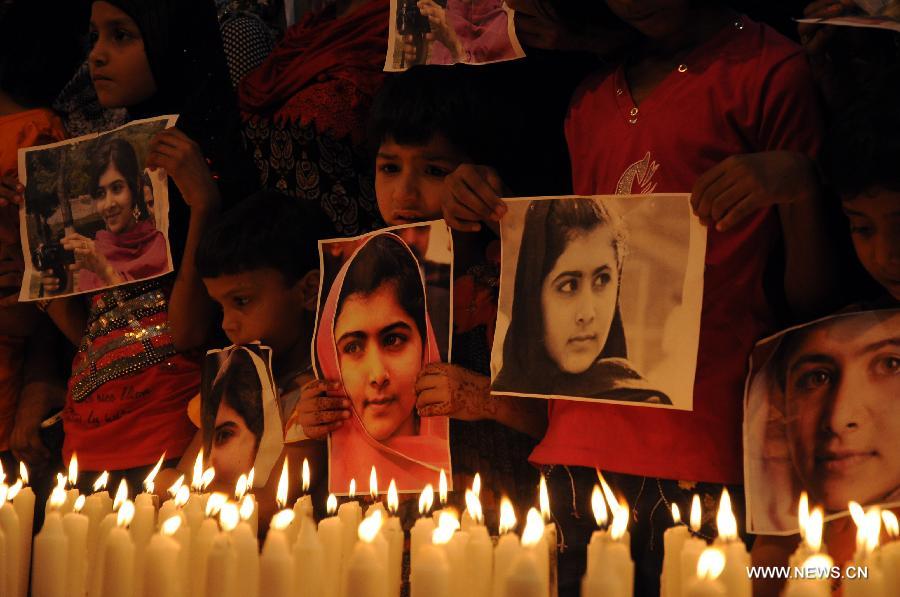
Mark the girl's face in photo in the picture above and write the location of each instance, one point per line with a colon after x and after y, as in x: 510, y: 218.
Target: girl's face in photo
x: 578, y: 300
x: 118, y: 61
x: 380, y: 353
x: 113, y: 201
x: 233, y: 445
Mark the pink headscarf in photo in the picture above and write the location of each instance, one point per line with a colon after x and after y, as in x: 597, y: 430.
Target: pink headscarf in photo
x: 411, y: 461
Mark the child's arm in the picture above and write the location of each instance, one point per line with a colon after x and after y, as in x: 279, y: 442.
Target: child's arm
x: 455, y: 392
x: 191, y: 311
x: 471, y: 196
x: 70, y: 315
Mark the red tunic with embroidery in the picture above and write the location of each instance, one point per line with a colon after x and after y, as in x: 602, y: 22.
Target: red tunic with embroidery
x: 747, y: 89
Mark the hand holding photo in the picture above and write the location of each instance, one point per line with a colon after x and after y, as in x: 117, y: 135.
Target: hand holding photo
x: 376, y: 332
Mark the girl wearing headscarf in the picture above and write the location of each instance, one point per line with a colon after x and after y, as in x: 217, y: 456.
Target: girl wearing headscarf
x: 566, y: 336
x: 374, y: 336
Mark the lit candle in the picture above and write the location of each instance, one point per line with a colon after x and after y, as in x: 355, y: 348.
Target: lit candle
x: 549, y: 533
x: 118, y: 556
x: 9, y: 523
x: 110, y: 521
x: 281, y: 500
x: 890, y: 554
x: 673, y: 544
x: 202, y: 541
x: 275, y: 563
x: 76, y: 525
x: 373, y: 495
x: 144, y: 524
x: 737, y: 560
x: 610, y: 571
x: 528, y: 577
x: 303, y: 507
x: 868, y: 526
x: 420, y: 534
x: 431, y: 576
x: 309, y: 560
x: 246, y: 549
x: 51, y: 547
x: 693, y: 546
x: 23, y: 502
x: 350, y: 512
x: 479, y: 551
x: 161, y: 568
x: 221, y: 563
x: 169, y: 508
x: 331, y: 535
x: 507, y: 548
x: 366, y: 569
x: 706, y: 583
x: 816, y: 580
x: 811, y: 530
x: 460, y: 575
x: 442, y: 495
x: 72, y: 478
x: 393, y: 533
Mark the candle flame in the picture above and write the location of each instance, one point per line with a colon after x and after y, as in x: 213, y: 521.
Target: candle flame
x: 857, y: 514
x: 281, y: 494
x: 442, y: 535
x: 207, y: 478
x: 725, y: 520
x: 803, y: 513
x: 148, y: 482
x: 214, y: 503
x: 873, y: 529
x: 368, y: 528
x: 73, y: 470
x: 426, y: 499
x: 534, y: 528
x: 60, y: 480
x: 696, y: 514
x: 890, y: 523
x: 2, y: 474
x: 4, y: 490
x: 711, y: 563
x: 473, y: 506
x: 282, y: 520
x: 507, y: 516
x: 813, y: 533
x: 23, y: 472
x: 620, y: 521
x: 14, y: 490
x: 598, y: 505
x: 373, y: 484
x: 79, y: 504
x: 304, y: 476
x: 331, y: 504
x: 197, y: 478
x: 251, y: 477
x: 178, y: 484
x: 248, y: 507
x: 121, y: 495
x: 240, y: 488
x: 448, y: 519
x: 126, y: 514
x: 676, y: 514
x: 229, y: 517
x: 608, y: 495
x: 171, y: 526
x: 182, y: 496
x: 101, y: 481
x: 544, y: 499
x: 476, y: 485
x: 57, y: 498
x: 393, y: 498
x: 442, y: 487
x: 820, y: 563
x: 352, y: 491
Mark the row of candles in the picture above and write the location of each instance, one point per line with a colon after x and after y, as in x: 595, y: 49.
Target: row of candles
x: 199, y: 544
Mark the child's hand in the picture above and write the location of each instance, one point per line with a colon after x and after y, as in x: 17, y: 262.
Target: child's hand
x: 183, y: 161
x: 452, y: 391
x: 11, y: 191
x: 323, y: 407
x: 742, y: 184
x: 471, y: 195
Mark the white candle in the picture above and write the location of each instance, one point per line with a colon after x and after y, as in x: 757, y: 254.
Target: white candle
x: 419, y: 536
x: 507, y: 548
x: 201, y: 543
x: 866, y: 556
x: 890, y: 554
x: 817, y: 581
x: 76, y: 527
x: 309, y: 561
x: 479, y: 553
x: 610, y: 571
x: 673, y: 543
x: 706, y: 582
x: 24, y: 505
x: 431, y: 575
x: 350, y: 514
x: 95, y: 573
x: 331, y: 535
x: 118, y: 557
x: 525, y: 578
x: 246, y: 548
x: 460, y: 575
x: 367, y: 567
x: 737, y: 560
x: 220, y: 568
x: 161, y: 573
x: 142, y: 528
x: 9, y: 523
x: 275, y: 563
x: 393, y: 534
x: 50, y: 558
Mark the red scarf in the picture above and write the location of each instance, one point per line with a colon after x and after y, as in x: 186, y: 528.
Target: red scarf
x: 136, y: 254
x: 318, y: 48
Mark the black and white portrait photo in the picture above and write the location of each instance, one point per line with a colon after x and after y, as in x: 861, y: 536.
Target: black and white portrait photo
x: 600, y: 299
x: 821, y: 417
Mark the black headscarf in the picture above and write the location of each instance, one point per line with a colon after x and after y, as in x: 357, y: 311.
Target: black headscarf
x: 527, y: 368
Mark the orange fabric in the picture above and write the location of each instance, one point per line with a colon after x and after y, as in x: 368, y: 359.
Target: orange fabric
x: 22, y: 129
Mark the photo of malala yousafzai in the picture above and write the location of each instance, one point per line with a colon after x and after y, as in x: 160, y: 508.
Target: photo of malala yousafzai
x: 600, y: 300
x: 240, y: 415
x: 384, y: 313
x: 821, y: 416
x: 93, y: 216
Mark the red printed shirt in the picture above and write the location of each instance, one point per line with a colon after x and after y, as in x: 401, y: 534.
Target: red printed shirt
x: 745, y: 90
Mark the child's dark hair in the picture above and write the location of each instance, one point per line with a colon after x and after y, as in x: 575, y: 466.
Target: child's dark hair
x: 265, y: 230
x: 40, y: 48
x: 120, y: 154
x: 384, y: 260
x: 238, y: 384
x: 863, y: 143
x: 424, y: 101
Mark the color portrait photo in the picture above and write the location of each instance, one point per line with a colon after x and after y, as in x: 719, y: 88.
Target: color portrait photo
x: 93, y: 217
x: 600, y: 299
x: 450, y: 32
x: 821, y: 417
x: 384, y: 313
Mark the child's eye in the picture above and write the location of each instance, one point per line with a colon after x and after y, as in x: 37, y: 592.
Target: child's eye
x: 439, y: 172
x: 93, y: 36
x: 123, y: 35
x: 863, y: 231
x: 389, y: 168
x: 241, y: 301
x: 223, y: 435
